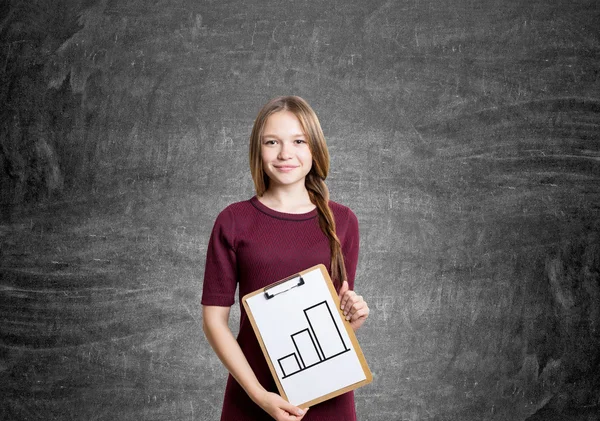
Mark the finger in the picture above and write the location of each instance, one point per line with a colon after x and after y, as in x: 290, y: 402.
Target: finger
x: 349, y: 304
x: 353, y: 304
x: 359, y: 319
x: 294, y: 411
x: 345, y: 287
x: 305, y: 411
x: 346, y: 300
x: 351, y: 300
x: 360, y: 311
x: 363, y: 313
x: 357, y: 307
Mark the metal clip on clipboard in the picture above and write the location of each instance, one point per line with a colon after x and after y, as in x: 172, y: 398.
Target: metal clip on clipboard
x: 283, y: 286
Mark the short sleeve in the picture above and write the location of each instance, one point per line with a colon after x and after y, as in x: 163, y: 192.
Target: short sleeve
x: 220, y: 271
x: 350, y: 247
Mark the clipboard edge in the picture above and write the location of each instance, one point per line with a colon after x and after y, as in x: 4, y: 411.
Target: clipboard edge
x: 261, y: 342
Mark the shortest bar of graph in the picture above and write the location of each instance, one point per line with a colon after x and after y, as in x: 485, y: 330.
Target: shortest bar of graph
x: 289, y: 364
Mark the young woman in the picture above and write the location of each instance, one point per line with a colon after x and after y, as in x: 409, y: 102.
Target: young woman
x: 290, y: 225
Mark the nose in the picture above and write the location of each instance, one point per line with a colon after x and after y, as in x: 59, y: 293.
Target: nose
x: 285, y: 152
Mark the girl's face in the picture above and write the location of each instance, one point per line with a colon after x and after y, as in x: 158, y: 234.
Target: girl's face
x: 284, y: 150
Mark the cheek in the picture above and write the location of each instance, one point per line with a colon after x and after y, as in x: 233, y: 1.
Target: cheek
x: 306, y: 157
x: 266, y: 156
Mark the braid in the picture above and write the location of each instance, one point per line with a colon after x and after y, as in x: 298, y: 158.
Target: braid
x: 319, y: 195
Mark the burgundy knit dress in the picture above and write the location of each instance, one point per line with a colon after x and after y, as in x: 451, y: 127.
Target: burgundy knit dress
x: 252, y: 246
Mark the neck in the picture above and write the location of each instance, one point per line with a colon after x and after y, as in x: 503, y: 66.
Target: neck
x: 289, y: 199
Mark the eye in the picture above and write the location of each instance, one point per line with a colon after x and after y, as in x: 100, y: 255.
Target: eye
x: 300, y: 141
x: 269, y: 142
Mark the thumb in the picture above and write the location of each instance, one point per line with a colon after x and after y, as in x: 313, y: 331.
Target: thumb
x: 344, y: 289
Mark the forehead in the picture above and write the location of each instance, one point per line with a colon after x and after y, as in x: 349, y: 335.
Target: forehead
x: 283, y: 123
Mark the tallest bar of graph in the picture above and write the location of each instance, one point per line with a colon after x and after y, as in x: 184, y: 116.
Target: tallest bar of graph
x: 325, y: 331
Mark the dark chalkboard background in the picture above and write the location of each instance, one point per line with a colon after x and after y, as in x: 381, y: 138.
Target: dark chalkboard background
x: 464, y: 134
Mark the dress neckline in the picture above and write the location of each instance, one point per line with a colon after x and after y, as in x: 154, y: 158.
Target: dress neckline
x: 282, y: 215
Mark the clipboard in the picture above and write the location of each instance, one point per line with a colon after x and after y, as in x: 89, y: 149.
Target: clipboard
x: 311, y: 349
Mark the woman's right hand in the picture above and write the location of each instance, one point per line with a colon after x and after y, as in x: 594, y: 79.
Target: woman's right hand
x: 279, y: 408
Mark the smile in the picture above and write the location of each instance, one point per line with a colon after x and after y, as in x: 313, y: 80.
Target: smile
x: 285, y: 168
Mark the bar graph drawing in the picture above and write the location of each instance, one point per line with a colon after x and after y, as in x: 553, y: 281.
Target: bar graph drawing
x: 319, y: 342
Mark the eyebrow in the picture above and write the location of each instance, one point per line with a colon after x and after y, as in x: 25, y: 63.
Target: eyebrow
x: 275, y: 136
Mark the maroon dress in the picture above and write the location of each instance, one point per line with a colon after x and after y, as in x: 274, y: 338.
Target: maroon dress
x: 252, y: 246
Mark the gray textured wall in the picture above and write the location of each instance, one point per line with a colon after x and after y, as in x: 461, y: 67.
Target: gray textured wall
x: 464, y: 134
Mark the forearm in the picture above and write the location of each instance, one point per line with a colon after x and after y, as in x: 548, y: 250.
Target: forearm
x: 229, y: 352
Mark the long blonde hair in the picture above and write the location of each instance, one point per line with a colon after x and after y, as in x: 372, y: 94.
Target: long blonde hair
x: 315, y: 179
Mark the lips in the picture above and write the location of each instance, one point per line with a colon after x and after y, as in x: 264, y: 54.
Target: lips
x: 285, y: 168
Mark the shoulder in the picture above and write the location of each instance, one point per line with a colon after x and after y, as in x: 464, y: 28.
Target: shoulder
x: 343, y: 214
x: 235, y: 210
x: 230, y: 221
x: 234, y: 217
x: 339, y: 209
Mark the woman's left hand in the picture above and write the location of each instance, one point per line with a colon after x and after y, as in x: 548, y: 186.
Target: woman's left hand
x: 353, y: 306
